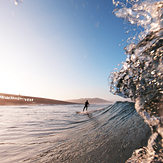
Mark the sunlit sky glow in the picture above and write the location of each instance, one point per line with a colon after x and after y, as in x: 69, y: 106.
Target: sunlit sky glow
x: 60, y: 49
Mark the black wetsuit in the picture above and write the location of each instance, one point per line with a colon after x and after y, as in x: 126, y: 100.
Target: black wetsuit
x: 86, y: 105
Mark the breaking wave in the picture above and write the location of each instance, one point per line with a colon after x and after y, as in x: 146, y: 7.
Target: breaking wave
x: 140, y: 77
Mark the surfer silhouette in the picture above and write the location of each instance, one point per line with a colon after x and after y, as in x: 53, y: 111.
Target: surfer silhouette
x: 86, y: 105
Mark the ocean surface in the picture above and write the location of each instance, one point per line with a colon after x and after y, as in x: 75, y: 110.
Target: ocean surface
x: 56, y: 133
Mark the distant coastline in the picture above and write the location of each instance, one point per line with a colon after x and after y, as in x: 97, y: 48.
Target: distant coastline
x: 11, y: 99
x: 91, y: 101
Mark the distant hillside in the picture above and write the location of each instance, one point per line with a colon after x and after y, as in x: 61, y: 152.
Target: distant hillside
x: 10, y: 99
x: 90, y: 100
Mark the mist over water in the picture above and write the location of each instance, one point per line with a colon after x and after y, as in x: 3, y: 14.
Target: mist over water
x: 140, y: 77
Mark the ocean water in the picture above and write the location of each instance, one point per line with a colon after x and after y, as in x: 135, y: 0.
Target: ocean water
x: 141, y: 75
x: 56, y: 133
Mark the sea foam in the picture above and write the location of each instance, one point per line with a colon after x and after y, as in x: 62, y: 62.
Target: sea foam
x: 140, y: 77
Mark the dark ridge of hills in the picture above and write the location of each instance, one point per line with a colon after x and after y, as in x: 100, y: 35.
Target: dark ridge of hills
x: 10, y: 99
x: 90, y: 100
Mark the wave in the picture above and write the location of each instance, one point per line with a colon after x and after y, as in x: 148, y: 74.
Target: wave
x: 108, y: 135
x: 140, y: 77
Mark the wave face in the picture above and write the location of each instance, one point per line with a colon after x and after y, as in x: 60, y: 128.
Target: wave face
x: 141, y: 76
x: 57, y: 134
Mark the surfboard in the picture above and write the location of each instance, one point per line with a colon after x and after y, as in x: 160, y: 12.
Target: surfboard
x: 83, y: 112
x: 88, y: 112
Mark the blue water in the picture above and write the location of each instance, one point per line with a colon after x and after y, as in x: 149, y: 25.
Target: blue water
x: 55, y: 133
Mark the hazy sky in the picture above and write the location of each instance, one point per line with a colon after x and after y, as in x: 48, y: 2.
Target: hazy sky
x: 60, y: 49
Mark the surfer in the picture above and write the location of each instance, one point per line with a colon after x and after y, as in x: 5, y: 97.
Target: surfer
x: 86, y: 105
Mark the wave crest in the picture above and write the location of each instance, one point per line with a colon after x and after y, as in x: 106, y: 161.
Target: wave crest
x: 141, y: 75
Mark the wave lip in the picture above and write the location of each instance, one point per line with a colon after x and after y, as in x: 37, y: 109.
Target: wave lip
x: 141, y: 75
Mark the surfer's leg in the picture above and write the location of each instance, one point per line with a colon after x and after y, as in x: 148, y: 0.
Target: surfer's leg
x: 83, y: 108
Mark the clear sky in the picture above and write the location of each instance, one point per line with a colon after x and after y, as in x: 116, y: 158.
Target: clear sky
x: 59, y: 49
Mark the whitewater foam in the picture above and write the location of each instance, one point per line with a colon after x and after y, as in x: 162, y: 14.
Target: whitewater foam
x: 140, y: 77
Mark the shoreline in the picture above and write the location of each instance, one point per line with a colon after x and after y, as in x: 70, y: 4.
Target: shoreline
x: 10, y: 99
